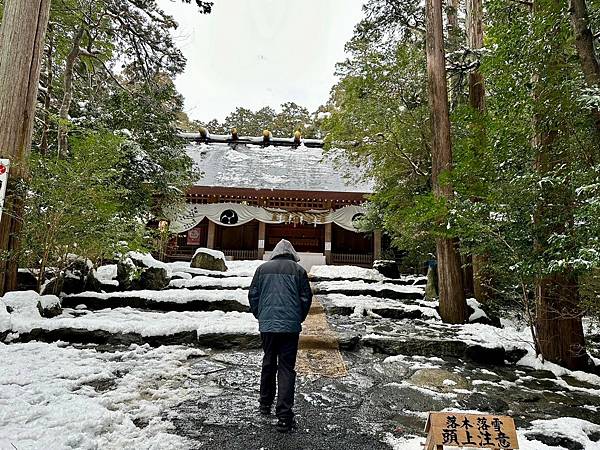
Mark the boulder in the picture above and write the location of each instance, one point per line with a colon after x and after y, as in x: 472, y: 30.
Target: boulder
x: 49, y: 306
x: 153, y: 278
x: 208, y: 259
x: 388, y: 269
x: 127, y: 272
x: 53, y: 287
x: 556, y: 441
x: 26, y: 281
x: 348, y: 341
x: 72, y: 284
x: 440, y: 380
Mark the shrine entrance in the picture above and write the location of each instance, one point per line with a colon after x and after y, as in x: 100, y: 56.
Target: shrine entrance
x: 304, y: 238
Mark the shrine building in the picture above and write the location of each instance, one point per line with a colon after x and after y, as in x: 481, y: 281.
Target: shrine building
x: 254, y: 192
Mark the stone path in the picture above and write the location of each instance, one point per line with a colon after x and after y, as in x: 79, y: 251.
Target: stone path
x: 319, y: 352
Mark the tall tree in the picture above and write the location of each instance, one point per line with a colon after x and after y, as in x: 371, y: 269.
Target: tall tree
x: 22, y: 36
x: 474, y: 29
x: 453, y: 307
x: 584, y: 42
x: 558, y: 320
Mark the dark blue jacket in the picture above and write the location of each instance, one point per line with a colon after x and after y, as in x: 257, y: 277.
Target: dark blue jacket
x: 280, y: 295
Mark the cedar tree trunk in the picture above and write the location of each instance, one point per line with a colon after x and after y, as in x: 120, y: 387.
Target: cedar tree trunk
x: 21, y: 46
x: 452, y: 297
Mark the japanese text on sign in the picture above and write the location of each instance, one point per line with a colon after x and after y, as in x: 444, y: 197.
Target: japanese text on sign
x: 455, y: 429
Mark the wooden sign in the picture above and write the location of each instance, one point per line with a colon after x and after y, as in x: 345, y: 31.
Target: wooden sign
x: 456, y: 429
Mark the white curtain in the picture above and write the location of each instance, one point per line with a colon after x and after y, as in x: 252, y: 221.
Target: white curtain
x: 235, y: 214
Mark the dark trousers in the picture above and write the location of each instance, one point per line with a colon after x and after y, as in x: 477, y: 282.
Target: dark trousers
x: 278, y: 363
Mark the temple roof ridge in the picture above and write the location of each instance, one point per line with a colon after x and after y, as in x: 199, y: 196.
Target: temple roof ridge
x: 209, y: 138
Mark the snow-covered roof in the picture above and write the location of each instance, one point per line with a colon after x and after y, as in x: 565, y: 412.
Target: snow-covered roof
x: 278, y: 166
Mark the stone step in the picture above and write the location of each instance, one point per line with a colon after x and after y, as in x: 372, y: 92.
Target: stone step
x: 416, y: 281
x: 311, y: 341
x: 421, y: 346
x: 209, y: 283
x: 377, y: 290
x: 166, y: 300
x: 124, y: 326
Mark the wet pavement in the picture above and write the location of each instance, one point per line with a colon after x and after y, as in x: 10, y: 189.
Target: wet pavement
x: 375, y: 401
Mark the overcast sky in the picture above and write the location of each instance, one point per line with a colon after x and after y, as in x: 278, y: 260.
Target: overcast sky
x: 256, y: 53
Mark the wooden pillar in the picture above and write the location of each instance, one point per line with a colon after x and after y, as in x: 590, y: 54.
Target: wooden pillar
x: 328, y: 233
x: 212, y: 228
x: 376, y: 245
x: 262, y: 231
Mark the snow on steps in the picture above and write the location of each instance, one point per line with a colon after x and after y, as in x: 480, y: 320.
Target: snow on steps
x: 126, y: 326
x: 353, y: 273
x: 377, y: 289
x: 360, y: 305
x: 208, y: 283
x: 166, y: 300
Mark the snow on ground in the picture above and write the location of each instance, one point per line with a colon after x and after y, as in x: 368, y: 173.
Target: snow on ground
x: 54, y: 405
x: 173, y: 295
x: 4, y: 318
x: 27, y: 303
x: 144, y: 323
x: 201, y: 280
x: 415, y: 442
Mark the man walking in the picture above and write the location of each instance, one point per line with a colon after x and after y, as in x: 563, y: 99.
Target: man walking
x: 280, y: 298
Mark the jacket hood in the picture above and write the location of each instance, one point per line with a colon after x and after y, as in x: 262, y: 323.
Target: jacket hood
x: 285, y: 248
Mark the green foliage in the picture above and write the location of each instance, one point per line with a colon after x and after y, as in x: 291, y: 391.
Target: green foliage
x: 289, y: 119
x: 122, y: 114
x: 75, y: 205
x: 379, y: 119
x: 527, y: 171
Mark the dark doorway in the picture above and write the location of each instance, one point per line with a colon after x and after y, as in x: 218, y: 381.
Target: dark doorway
x: 304, y: 238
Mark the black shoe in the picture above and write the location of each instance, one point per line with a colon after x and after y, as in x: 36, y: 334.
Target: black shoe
x: 264, y: 410
x: 285, y: 425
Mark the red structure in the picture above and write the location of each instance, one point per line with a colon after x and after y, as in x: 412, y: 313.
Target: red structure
x: 256, y: 191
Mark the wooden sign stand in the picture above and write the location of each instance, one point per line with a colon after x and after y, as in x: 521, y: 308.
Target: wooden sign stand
x: 452, y: 429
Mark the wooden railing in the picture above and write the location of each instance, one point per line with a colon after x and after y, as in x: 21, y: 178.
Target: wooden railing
x: 353, y: 259
x: 242, y: 254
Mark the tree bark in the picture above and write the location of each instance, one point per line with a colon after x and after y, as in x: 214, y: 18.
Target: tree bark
x: 63, y: 128
x: 584, y: 42
x: 21, y: 47
x: 454, y: 44
x: 558, y: 326
x: 452, y: 298
x: 474, y: 26
x: 44, y: 144
x: 558, y: 323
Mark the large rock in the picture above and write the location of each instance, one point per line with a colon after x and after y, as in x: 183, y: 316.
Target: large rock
x: 208, y: 259
x: 439, y: 380
x: 26, y: 281
x: 388, y: 269
x: 127, y: 273
x: 49, y: 306
x: 153, y: 278
x: 53, y: 287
